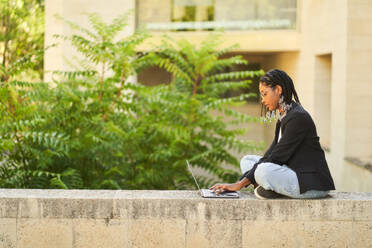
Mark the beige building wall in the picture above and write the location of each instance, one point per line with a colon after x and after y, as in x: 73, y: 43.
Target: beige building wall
x: 333, y: 80
x: 287, y: 61
x: 323, y: 32
x: 359, y: 78
x: 323, y: 97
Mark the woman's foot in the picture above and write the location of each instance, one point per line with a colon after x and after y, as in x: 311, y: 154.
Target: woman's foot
x: 264, y: 194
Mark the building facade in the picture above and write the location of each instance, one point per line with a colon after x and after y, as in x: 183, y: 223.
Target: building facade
x: 324, y: 45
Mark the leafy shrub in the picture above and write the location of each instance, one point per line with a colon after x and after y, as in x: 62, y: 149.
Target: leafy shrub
x: 21, y: 33
x: 95, y: 128
x: 185, y: 124
x: 28, y: 150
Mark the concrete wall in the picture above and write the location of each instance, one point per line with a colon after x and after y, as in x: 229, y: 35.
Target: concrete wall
x: 107, y: 218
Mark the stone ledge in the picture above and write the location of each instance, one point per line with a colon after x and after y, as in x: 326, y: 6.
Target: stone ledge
x: 109, y: 218
x: 154, y: 194
x: 111, y: 204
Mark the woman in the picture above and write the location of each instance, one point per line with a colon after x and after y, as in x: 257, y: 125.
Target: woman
x: 294, y: 165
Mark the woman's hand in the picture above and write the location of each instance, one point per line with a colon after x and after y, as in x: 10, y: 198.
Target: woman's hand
x: 219, y: 188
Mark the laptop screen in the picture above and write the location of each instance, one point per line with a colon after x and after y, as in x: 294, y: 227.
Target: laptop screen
x: 189, y: 166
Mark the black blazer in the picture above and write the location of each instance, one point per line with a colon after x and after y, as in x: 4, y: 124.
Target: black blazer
x: 300, y: 150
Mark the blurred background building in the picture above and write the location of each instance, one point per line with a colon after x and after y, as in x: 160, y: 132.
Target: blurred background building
x: 324, y: 45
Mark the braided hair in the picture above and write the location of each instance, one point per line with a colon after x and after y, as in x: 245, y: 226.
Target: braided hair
x: 276, y: 77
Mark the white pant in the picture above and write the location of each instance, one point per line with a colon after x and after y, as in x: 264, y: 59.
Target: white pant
x: 280, y: 179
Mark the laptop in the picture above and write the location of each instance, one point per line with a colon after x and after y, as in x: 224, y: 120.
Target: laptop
x: 207, y: 193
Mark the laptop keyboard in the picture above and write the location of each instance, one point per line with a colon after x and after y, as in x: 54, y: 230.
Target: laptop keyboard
x: 209, y: 193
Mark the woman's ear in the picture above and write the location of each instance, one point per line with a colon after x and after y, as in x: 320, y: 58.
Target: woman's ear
x: 278, y: 89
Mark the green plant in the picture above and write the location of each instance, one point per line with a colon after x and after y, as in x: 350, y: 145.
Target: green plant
x: 57, y: 136
x: 95, y: 104
x: 184, y: 124
x: 21, y: 33
x: 94, y: 128
x: 27, y: 149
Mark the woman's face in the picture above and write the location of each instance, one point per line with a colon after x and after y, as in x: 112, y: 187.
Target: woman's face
x: 270, y: 96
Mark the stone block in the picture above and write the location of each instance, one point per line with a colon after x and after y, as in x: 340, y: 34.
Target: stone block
x: 297, y: 234
x: 214, y: 234
x: 359, y: 42
x: 44, y: 233
x: 362, y: 234
x: 156, y: 233
x: 77, y: 208
x: 269, y: 234
x: 29, y: 208
x: 359, y: 59
x: 153, y: 209
x: 100, y: 233
x: 325, y: 233
x: 360, y: 26
x: 8, y: 233
x: 8, y: 208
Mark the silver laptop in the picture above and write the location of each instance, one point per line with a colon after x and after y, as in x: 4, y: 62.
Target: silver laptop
x: 207, y: 193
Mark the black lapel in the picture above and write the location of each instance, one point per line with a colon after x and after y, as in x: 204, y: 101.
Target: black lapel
x: 277, y: 128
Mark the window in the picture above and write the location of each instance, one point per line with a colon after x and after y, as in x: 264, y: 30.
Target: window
x: 191, y: 15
